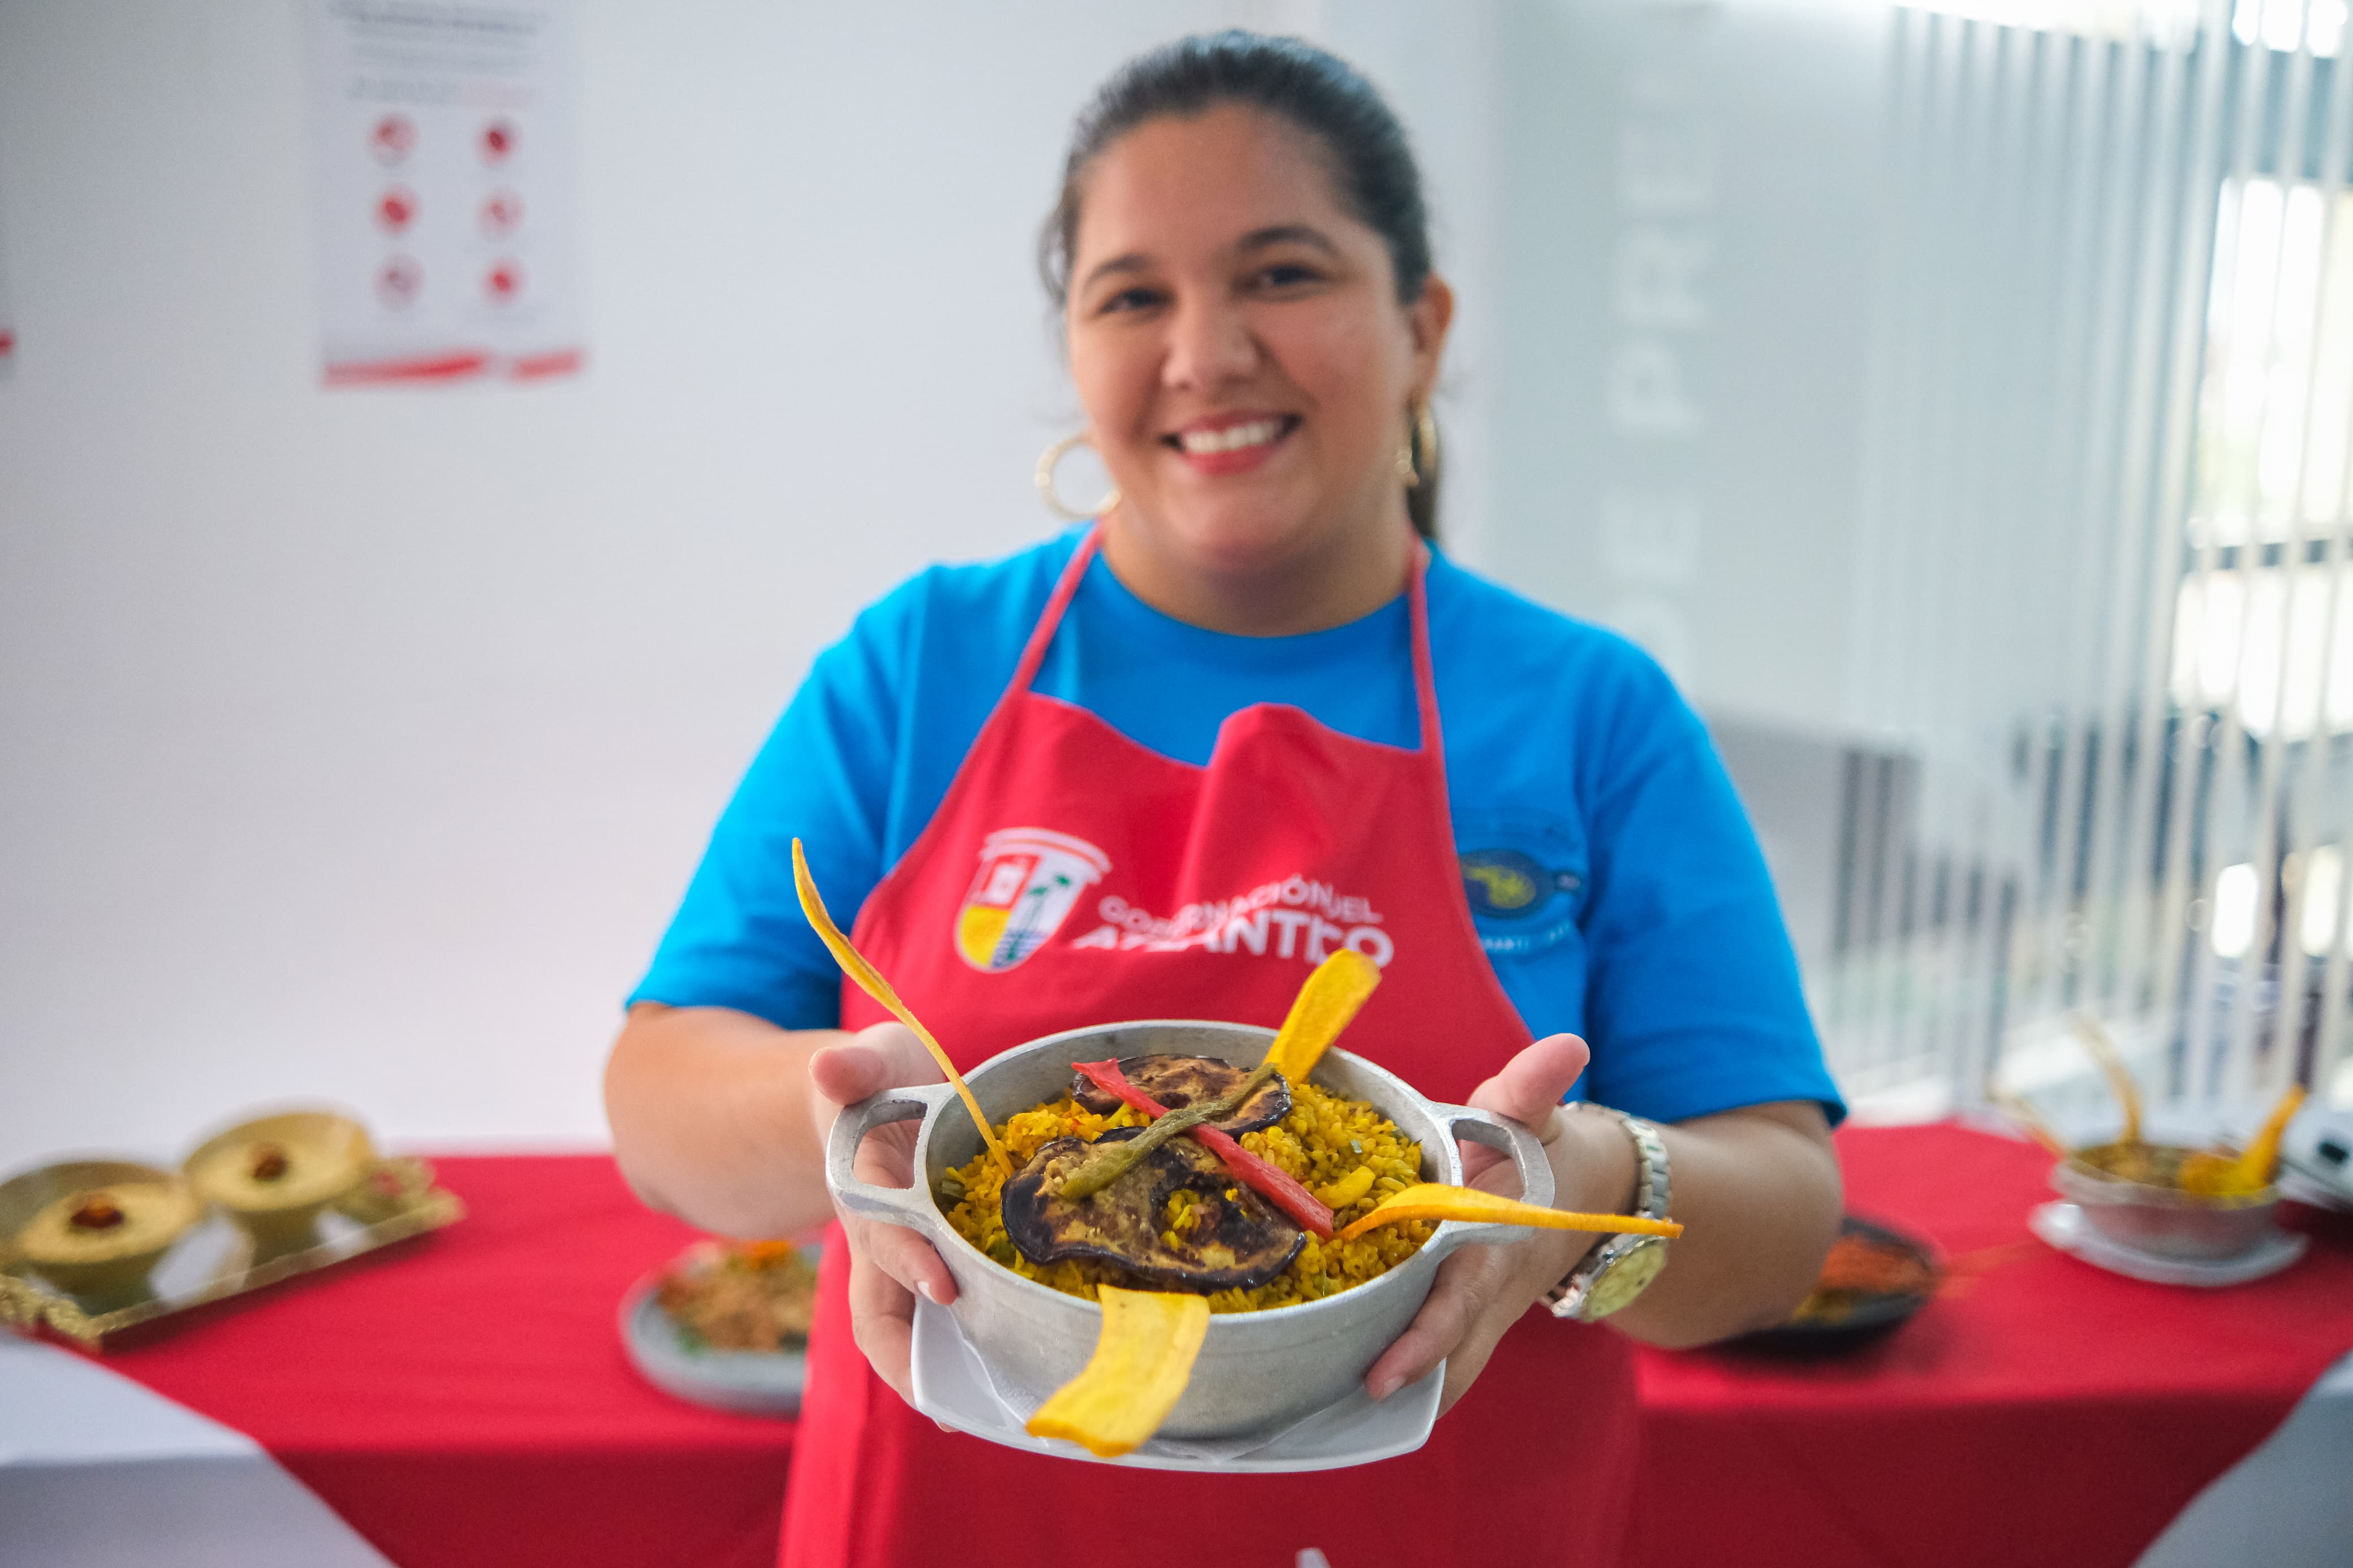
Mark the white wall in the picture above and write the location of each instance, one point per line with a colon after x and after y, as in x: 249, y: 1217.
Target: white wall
x: 1687, y: 260
x: 357, y: 744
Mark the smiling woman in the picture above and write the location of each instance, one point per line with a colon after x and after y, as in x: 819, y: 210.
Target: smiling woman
x: 1335, y: 118
x: 1160, y: 765
x: 1252, y: 376
x: 1255, y: 331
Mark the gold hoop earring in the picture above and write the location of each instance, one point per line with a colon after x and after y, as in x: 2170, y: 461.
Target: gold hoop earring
x: 1421, y: 443
x: 1045, y: 480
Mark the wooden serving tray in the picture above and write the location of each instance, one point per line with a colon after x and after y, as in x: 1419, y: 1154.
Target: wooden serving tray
x: 216, y: 1259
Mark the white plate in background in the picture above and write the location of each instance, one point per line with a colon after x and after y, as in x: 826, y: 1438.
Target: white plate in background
x: 748, y: 1383
x: 2064, y: 1227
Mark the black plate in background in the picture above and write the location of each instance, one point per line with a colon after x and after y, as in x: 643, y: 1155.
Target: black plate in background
x: 1870, y: 1317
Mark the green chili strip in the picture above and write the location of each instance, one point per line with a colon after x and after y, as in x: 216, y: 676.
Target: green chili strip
x: 1112, y: 1161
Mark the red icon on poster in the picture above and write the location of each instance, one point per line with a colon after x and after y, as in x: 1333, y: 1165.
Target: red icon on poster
x: 392, y: 139
x: 396, y: 209
x: 498, y: 141
x: 398, y: 284
x: 502, y: 282
x: 501, y: 214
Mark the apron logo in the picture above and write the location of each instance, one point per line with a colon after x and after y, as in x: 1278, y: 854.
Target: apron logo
x: 1028, y: 880
x: 1510, y: 883
x: 1523, y: 900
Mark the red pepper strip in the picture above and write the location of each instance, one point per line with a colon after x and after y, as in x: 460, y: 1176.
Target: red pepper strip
x: 1271, y: 1180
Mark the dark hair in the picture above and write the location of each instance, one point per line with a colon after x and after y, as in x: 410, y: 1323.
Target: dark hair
x: 1372, y: 163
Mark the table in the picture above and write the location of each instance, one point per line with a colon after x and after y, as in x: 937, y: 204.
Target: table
x: 464, y: 1400
x: 2042, y: 1410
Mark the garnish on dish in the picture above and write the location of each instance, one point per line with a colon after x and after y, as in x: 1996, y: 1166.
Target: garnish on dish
x: 1180, y: 1219
x: 1141, y: 1361
x: 97, y: 1211
x: 2223, y: 1172
x: 740, y: 1296
x: 1181, y: 1083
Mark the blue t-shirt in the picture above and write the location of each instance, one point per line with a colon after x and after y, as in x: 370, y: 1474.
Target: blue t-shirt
x: 1610, y: 871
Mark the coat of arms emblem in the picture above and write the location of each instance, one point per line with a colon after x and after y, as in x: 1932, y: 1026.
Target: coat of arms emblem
x: 1029, y: 879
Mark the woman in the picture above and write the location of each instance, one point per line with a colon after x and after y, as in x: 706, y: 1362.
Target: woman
x: 1234, y: 680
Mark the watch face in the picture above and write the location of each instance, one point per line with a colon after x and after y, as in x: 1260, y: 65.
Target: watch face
x: 1618, y: 1285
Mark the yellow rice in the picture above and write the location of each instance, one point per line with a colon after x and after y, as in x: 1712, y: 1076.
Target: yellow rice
x: 1323, y: 1139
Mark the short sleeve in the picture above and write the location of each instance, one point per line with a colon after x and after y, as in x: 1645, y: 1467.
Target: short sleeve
x: 824, y: 776
x: 1694, y: 1000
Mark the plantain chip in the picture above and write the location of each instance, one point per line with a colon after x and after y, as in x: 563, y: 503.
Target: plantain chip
x: 869, y: 979
x: 1321, y: 1010
x: 1430, y: 1200
x: 1142, y: 1359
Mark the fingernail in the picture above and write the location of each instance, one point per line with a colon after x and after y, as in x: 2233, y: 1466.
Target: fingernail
x: 1384, y: 1386
x: 943, y: 1425
x: 924, y: 1288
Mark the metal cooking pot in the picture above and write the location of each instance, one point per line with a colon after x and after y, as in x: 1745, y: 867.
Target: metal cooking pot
x: 1257, y: 1371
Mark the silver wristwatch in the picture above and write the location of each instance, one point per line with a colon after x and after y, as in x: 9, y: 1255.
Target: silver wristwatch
x: 1623, y: 1267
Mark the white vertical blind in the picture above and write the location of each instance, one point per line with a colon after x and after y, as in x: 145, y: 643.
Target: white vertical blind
x: 2100, y: 620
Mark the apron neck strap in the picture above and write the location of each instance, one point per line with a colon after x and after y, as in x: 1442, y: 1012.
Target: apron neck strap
x: 1425, y: 683
x: 1034, y: 653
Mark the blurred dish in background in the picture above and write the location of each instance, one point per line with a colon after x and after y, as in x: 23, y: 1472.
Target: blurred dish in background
x: 101, y: 1226
x: 741, y: 1295
x: 276, y: 1174
x: 2155, y: 1217
x: 726, y: 1325
x: 88, y: 1247
x: 2161, y: 1202
x: 1873, y: 1279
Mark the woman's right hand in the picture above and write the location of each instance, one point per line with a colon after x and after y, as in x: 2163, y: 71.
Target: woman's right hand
x: 888, y: 1263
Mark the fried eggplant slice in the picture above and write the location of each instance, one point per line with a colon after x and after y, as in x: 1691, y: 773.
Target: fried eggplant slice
x: 1179, y: 1081
x: 1179, y: 1221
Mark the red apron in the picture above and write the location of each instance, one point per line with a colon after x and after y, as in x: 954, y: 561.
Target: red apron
x: 1073, y: 877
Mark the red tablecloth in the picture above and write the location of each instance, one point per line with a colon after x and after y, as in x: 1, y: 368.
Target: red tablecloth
x: 464, y: 1400
x: 2044, y: 1412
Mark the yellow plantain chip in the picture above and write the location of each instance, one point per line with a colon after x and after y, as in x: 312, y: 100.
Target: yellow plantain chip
x: 1321, y: 1010
x: 2207, y: 1172
x: 2259, y: 1163
x: 1143, y: 1360
x: 871, y: 981
x: 2110, y: 1063
x: 2218, y: 1173
x: 1430, y: 1200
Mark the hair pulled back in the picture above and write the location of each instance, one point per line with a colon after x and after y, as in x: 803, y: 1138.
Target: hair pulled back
x: 1372, y: 164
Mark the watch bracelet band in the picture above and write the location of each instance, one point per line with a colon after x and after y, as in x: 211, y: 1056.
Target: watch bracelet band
x: 1653, y: 1192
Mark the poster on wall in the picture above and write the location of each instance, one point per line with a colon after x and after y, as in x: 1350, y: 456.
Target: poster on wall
x: 442, y: 190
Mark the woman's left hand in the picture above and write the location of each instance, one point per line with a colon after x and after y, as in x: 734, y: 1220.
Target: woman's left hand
x: 1481, y: 1291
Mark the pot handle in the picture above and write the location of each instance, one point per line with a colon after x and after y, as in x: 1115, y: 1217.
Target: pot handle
x: 909, y: 1206
x: 1519, y: 1145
